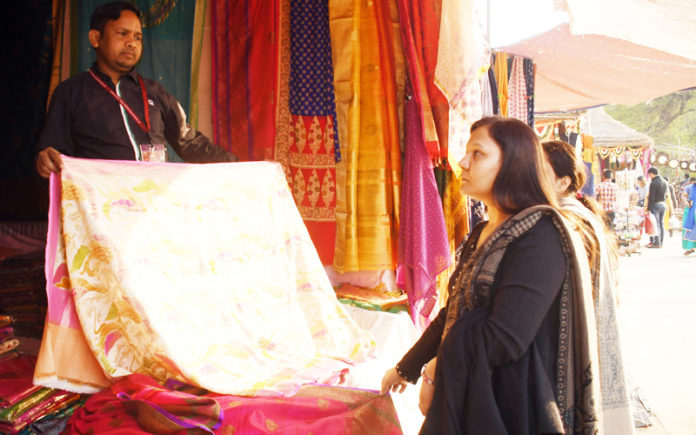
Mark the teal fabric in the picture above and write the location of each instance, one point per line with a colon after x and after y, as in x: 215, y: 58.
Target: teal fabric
x: 688, y: 236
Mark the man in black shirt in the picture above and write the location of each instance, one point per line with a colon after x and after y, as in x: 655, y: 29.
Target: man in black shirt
x: 109, y: 110
x: 657, y: 195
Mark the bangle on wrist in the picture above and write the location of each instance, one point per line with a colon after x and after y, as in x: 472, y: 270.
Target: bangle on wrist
x: 427, y: 378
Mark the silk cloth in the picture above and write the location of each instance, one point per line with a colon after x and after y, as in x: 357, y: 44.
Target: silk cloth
x: 368, y: 82
x: 309, y: 156
x: 138, y: 405
x: 245, y: 74
x: 420, y: 31
x: 500, y: 67
x: 423, y: 244
x: 152, y: 271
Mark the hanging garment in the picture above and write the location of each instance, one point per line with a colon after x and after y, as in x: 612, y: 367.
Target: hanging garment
x: 501, y: 79
x: 517, y: 103
x: 368, y: 81
x: 529, y: 81
x: 201, y: 273
x: 420, y: 27
x: 423, y: 245
x: 245, y: 67
x: 312, y: 150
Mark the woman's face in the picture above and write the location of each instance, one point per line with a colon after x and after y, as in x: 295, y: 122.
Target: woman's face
x: 480, y: 166
x: 559, y: 185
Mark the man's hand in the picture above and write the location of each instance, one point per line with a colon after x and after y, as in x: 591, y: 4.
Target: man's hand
x: 48, y: 161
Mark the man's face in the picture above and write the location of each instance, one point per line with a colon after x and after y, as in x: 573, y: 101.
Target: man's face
x: 120, y: 45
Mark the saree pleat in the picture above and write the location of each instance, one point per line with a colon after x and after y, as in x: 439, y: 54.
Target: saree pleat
x: 367, y: 75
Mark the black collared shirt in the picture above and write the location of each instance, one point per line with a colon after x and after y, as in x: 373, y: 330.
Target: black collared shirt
x: 85, y: 120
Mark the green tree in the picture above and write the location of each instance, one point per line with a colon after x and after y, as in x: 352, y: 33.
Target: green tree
x: 670, y: 119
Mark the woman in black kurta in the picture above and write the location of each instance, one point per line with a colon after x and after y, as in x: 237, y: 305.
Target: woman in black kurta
x: 496, y: 359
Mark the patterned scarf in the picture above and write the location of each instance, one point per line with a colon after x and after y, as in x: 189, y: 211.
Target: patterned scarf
x: 577, y: 389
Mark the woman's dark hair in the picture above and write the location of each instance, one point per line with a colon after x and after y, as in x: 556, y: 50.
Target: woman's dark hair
x: 109, y: 12
x: 520, y: 182
x: 561, y: 156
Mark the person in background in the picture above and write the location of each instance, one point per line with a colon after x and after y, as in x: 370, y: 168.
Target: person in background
x: 606, y: 196
x: 671, y: 201
x: 497, y: 358
x: 656, y: 203
x: 567, y: 177
x: 642, y: 190
x: 109, y: 110
x: 689, y: 217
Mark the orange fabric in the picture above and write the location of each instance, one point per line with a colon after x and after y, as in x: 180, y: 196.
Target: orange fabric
x: 368, y: 71
x: 71, y: 362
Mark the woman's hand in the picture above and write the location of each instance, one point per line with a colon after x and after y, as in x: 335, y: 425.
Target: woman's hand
x: 392, y: 381
x: 425, y: 398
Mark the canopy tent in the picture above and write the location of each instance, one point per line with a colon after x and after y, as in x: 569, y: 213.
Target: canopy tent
x: 580, y: 71
x: 618, y: 52
x: 608, y: 132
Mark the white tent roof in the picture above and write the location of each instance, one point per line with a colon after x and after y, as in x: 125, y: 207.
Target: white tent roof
x: 608, y: 132
x: 613, y: 52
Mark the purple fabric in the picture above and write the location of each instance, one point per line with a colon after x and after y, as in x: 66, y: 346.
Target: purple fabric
x: 423, y: 245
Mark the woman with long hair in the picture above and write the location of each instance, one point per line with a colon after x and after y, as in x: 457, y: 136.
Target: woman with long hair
x: 514, y: 349
x: 567, y: 176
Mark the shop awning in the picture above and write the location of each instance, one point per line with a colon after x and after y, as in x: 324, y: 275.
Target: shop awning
x: 580, y: 71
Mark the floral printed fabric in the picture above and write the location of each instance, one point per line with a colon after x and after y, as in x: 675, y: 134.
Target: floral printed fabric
x: 217, y: 287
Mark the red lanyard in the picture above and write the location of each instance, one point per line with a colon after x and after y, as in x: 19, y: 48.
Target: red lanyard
x: 145, y: 126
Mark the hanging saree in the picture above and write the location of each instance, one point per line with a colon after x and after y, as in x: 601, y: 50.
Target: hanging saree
x: 368, y: 73
x: 423, y: 248
x: 311, y: 153
x: 150, y: 270
x: 501, y: 76
x: 517, y: 107
x: 245, y: 76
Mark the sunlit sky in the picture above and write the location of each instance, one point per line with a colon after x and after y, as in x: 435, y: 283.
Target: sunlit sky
x: 514, y: 20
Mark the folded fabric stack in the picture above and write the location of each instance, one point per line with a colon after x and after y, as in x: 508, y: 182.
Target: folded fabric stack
x: 23, y: 293
x: 8, y: 342
x: 378, y: 299
x: 26, y: 408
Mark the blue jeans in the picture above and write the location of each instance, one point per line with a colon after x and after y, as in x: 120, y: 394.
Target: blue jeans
x: 659, y: 211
